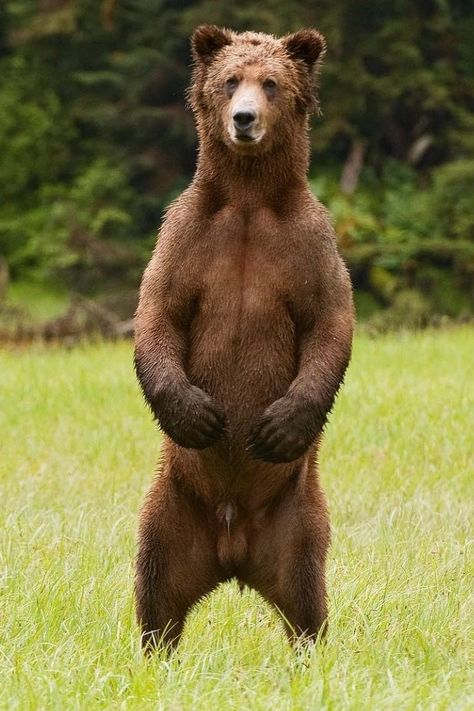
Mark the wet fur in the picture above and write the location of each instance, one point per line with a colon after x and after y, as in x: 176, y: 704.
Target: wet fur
x: 243, y: 336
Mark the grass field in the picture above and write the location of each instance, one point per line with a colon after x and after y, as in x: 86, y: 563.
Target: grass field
x: 77, y: 455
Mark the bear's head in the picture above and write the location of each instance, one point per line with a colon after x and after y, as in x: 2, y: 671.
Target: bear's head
x: 251, y: 91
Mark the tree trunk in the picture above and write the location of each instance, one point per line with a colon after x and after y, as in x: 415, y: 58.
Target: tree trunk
x: 353, y: 166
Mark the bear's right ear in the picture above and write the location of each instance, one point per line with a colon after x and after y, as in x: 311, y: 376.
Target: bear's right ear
x: 307, y: 46
x: 207, y: 40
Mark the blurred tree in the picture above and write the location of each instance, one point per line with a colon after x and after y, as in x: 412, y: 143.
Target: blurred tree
x: 96, y: 139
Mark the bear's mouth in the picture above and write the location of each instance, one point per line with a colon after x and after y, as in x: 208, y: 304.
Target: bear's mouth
x: 245, y: 138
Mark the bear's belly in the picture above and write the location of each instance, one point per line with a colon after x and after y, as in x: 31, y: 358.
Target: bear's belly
x: 242, y: 351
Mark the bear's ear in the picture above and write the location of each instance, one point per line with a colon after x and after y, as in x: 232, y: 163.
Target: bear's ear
x: 305, y: 45
x: 207, y: 40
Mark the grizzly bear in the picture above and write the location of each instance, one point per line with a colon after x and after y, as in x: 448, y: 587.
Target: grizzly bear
x: 243, y: 335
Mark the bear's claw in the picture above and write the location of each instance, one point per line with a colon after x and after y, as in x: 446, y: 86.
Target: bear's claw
x: 282, y: 434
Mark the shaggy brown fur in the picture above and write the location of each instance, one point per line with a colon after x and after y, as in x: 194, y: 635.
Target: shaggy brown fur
x: 243, y: 335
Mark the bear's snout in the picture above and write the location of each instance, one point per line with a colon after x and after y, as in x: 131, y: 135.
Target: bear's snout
x: 246, y: 115
x: 243, y: 120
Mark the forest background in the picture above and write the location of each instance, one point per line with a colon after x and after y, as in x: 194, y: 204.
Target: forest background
x: 96, y: 140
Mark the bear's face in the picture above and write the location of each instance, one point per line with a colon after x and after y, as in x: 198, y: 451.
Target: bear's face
x: 252, y: 91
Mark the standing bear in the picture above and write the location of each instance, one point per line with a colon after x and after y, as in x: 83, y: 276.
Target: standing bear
x: 243, y: 335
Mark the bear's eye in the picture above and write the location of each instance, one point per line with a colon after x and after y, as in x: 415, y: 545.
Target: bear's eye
x: 270, y: 85
x: 231, y: 85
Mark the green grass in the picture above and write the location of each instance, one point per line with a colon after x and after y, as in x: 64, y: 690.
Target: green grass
x: 77, y: 455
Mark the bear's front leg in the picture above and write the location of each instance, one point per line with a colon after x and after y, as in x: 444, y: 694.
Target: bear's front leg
x: 286, y: 430
x: 187, y: 414
x: 288, y: 427
x: 162, y: 331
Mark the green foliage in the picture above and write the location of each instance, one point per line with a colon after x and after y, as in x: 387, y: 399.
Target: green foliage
x: 34, y: 134
x: 39, y: 301
x: 75, y: 227
x: 411, y: 249
x: 96, y: 139
x: 452, y: 199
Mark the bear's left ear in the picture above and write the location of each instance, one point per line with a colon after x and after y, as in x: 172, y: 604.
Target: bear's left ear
x: 207, y: 40
x: 306, y: 45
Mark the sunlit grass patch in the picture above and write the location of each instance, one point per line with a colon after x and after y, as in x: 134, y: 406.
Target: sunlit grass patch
x: 78, y: 452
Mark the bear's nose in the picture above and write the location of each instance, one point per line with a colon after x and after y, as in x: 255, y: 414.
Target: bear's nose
x: 244, y: 119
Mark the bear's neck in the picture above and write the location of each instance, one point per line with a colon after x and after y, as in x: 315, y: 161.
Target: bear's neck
x: 261, y: 180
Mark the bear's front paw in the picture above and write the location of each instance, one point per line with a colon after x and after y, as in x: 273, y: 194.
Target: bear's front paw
x: 283, y: 433
x: 191, y: 418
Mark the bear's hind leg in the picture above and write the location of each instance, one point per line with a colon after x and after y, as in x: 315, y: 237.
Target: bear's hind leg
x: 175, y: 565
x: 300, y: 595
x: 289, y: 568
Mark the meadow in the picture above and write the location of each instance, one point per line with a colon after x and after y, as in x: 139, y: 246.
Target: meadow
x: 78, y: 451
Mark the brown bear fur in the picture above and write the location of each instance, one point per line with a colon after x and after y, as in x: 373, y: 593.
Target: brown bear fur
x: 243, y: 335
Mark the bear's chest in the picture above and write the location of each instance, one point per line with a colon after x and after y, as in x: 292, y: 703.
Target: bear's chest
x: 249, y: 266
x: 242, y: 334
